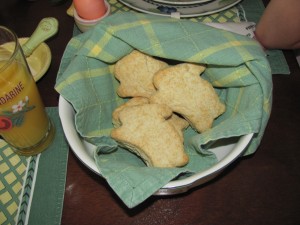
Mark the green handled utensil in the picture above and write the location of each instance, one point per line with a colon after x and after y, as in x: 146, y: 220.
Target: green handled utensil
x: 45, y: 29
x: 37, y: 52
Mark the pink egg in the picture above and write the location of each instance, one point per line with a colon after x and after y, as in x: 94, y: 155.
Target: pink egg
x: 90, y: 9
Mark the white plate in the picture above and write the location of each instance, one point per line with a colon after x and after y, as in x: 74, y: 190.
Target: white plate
x: 200, y: 9
x: 226, y: 152
x: 181, y: 2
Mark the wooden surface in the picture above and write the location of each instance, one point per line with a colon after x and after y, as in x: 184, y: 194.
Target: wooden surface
x: 261, y: 189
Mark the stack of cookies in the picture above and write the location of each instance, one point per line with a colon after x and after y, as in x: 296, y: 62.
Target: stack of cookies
x: 164, y: 101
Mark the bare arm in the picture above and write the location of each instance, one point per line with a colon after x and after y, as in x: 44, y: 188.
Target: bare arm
x: 279, y: 27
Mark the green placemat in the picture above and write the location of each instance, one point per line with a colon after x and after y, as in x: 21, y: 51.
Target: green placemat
x: 32, y: 188
x: 247, y: 10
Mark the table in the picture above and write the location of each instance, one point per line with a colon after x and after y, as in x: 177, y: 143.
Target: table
x: 260, y: 189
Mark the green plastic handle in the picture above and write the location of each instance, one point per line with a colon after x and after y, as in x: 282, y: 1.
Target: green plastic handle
x: 45, y: 29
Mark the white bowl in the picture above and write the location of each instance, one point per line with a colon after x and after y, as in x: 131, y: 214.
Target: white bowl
x: 84, y: 24
x: 227, y: 151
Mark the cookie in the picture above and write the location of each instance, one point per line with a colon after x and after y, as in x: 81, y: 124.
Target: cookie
x: 179, y: 124
x: 185, y: 92
x: 131, y: 102
x: 135, y: 73
x: 146, y: 131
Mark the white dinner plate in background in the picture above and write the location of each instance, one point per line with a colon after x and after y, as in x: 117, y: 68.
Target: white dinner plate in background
x: 200, y: 9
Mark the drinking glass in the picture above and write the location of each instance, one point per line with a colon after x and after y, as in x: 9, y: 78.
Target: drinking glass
x: 24, y: 123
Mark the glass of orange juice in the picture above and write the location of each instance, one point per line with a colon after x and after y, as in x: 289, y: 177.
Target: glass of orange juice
x: 24, y: 123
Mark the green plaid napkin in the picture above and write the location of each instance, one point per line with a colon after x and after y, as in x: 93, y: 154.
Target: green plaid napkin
x: 236, y: 66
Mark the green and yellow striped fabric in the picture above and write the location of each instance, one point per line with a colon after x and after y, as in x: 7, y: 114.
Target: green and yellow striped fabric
x: 236, y: 66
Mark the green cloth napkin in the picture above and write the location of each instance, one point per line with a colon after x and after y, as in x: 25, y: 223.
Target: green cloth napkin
x: 236, y: 66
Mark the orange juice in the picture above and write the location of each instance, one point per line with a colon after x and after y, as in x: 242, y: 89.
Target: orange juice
x: 24, y: 123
